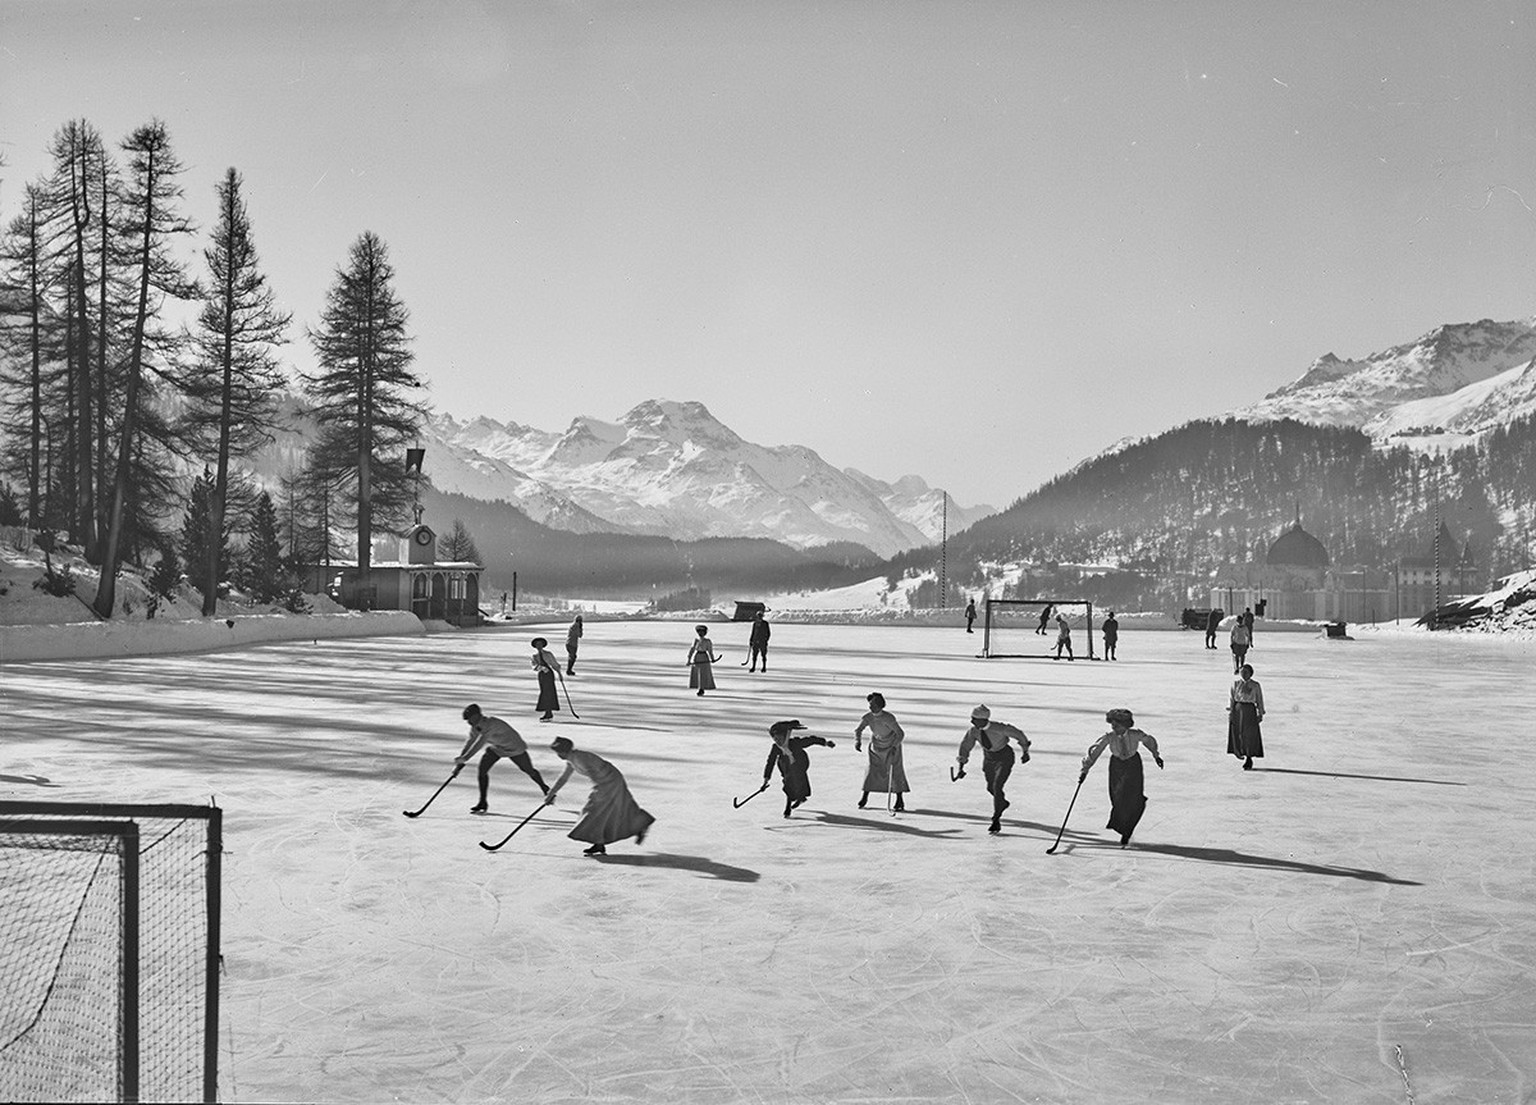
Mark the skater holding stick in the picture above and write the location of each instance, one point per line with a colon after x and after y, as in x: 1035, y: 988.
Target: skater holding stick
x: 572, y: 644
x: 611, y: 813
x: 546, y: 665
x: 701, y: 662
x: 997, y: 756
x: 499, y: 740
x: 789, y: 756
x: 757, y: 642
x: 1127, y: 798
x: 886, y: 772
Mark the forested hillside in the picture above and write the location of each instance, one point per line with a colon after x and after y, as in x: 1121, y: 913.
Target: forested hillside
x: 1180, y: 505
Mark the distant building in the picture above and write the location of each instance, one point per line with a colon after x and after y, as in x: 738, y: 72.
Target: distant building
x: 1298, y: 581
x: 1458, y: 571
x: 419, y: 582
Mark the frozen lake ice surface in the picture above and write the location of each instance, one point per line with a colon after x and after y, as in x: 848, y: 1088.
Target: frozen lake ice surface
x: 1354, y: 921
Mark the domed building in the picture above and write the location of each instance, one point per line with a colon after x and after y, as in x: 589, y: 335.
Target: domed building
x: 1297, y: 551
x: 1297, y: 580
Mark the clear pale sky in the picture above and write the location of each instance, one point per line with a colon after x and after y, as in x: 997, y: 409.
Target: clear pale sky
x: 974, y: 241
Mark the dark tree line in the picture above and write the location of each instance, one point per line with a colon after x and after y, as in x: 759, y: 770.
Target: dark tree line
x: 109, y: 409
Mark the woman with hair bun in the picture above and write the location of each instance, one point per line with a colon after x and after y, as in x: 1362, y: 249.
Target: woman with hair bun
x: 1127, y: 799
x: 886, y: 772
x: 546, y: 665
x: 611, y: 813
x: 701, y: 661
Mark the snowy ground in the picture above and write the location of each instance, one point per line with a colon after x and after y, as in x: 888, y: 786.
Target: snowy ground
x: 1355, y: 922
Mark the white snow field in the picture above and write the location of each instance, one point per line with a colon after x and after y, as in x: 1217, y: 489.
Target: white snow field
x: 1353, y: 922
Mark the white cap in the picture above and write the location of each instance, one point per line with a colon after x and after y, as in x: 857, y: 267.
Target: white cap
x: 981, y: 713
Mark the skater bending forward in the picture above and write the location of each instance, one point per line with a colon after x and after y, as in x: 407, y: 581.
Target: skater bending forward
x: 789, y: 756
x: 500, y: 741
x: 886, y: 772
x: 997, y: 757
x: 1127, y: 799
x: 611, y: 813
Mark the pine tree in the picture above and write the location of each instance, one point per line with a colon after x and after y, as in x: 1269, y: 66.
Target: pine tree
x: 458, y: 544
x: 265, y: 574
x: 149, y: 212
x: 195, y: 528
x: 363, y: 395
x: 233, y: 389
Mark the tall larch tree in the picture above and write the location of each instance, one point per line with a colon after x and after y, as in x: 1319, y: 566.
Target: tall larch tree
x: 151, y: 224
x: 236, y: 378
x: 364, y: 394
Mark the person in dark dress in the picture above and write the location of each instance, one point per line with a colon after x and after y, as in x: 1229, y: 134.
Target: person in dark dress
x: 1127, y: 798
x: 789, y: 756
x: 546, y: 665
x: 1245, y: 709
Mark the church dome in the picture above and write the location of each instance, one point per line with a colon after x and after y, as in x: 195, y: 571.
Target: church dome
x: 1296, y: 548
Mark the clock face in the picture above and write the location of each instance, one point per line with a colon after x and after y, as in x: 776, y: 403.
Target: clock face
x: 423, y: 537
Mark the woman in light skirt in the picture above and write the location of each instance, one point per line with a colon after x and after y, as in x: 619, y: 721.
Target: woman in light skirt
x: 611, y: 813
x: 886, y: 773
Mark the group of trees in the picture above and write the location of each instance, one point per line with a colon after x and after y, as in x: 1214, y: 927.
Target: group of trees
x: 109, y: 407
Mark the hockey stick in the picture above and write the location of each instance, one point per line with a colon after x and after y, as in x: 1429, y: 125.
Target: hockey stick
x: 737, y: 803
x: 567, y: 691
x: 456, y: 769
x: 954, y: 777
x: 1051, y: 851
x: 509, y: 836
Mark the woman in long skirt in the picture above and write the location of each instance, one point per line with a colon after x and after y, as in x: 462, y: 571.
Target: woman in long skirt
x: 611, y: 813
x: 1127, y: 798
x: 701, y: 661
x: 789, y: 756
x: 546, y: 665
x: 886, y: 773
x: 1245, y: 710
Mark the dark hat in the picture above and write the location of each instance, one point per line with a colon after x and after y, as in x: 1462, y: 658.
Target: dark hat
x: 540, y: 642
x: 784, y: 726
x: 472, y: 710
x: 1122, y: 716
x: 562, y: 744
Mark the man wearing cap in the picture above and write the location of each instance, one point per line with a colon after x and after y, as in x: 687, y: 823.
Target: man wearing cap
x: 788, y: 753
x: 500, y: 741
x: 997, y: 757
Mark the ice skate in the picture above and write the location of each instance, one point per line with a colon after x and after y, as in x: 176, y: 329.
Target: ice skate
x: 595, y: 850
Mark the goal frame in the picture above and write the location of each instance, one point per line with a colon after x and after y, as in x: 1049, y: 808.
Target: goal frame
x: 987, y: 651
x: 118, y: 819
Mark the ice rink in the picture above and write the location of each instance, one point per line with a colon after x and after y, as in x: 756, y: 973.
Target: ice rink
x: 1353, y: 922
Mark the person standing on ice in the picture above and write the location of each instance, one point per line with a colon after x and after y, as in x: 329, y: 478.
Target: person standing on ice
x: 500, y: 741
x: 886, y: 773
x: 970, y: 615
x: 611, y: 813
x: 1245, y: 709
x: 546, y: 665
x: 1064, y: 637
x: 1111, y: 636
x: 701, y: 661
x: 1241, y: 639
x: 757, y: 641
x: 789, y: 756
x: 1212, y: 624
x: 997, y: 757
x: 1045, y: 619
x: 572, y: 643
x: 1127, y: 796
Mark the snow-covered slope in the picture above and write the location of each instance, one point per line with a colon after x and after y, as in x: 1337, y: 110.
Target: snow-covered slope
x: 673, y: 468
x: 1461, y: 378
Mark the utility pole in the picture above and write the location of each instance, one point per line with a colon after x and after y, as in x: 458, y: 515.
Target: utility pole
x: 944, y: 551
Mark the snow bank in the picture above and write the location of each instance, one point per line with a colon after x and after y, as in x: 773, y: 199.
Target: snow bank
x: 161, y: 637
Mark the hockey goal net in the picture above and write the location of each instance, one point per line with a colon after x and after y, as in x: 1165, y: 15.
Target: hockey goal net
x: 109, y: 952
x: 1028, y: 627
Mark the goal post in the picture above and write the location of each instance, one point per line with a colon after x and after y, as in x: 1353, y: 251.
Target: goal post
x: 109, y: 951
x: 1027, y: 629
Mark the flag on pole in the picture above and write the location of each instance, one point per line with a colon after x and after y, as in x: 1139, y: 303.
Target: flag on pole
x: 413, y: 459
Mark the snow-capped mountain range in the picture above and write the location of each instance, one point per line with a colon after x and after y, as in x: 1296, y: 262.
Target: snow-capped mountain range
x: 1450, y: 386
x: 672, y: 468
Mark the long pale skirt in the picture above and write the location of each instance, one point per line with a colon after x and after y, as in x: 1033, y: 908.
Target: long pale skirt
x: 886, y: 773
x: 611, y: 812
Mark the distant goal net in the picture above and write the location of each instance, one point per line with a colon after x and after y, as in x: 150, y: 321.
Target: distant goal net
x: 109, y: 952
x: 1027, y: 628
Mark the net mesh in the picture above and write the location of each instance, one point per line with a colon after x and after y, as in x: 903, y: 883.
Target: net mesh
x: 51, y: 880
x: 1027, y: 627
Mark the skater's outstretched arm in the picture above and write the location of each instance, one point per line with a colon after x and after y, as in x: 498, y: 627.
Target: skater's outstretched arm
x: 549, y: 796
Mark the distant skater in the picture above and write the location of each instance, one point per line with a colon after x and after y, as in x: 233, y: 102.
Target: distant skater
x: 1127, y: 797
x: 1045, y: 619
x: 1245, y: 710
x: 1212, y: 624
x: 1064, y: 637
x: 572, y: 643
x: 1241, y: 639
x: 1111, y: 635
x: 970, y: 615
x: 789, y: 756
x: 997, y: 757
x: 500, y: 741
x: 611, y: 813
x: 886, y: 773
x: 546, y: 665
x: 757, y: 641
x: 701, y: 661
